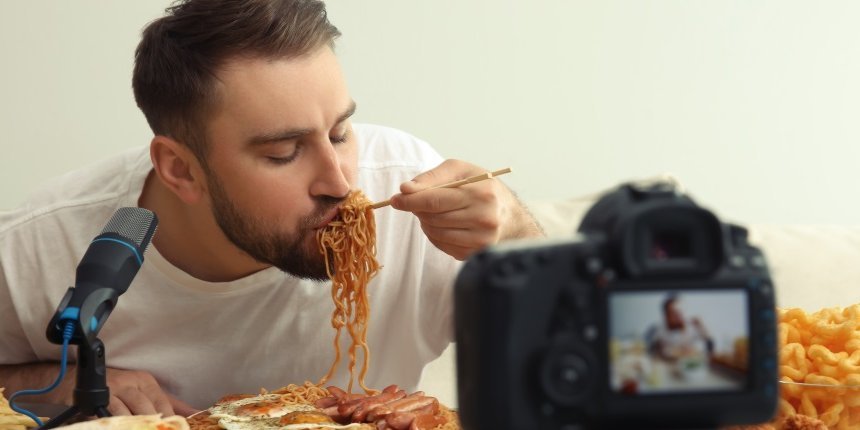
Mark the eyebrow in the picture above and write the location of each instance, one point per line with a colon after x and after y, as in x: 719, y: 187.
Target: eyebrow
x: 282, y: 135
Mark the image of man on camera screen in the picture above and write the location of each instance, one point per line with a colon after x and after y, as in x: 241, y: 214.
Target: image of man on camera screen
x: 673, y: 342
x: 679, y: 337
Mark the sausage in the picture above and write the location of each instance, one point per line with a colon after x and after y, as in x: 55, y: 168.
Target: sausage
x: 409, y: 405
x: 383, y: 410
x: 378, y: 413
x: 406, y: 419
x: 348, y: 407
x: 374, y: 402
x: 386, y: 409
x: 430, y: 409
x: 325, y: 402
x: 337, y: 392
x: 395, y: 404
x: 400, y: 420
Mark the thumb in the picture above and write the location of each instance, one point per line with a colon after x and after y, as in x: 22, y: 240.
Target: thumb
x: 180, y: 407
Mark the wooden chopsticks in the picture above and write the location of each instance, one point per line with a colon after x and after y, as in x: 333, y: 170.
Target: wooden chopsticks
x: 455, y: 184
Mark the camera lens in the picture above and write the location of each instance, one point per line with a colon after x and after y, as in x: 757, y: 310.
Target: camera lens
x: 565, y: 376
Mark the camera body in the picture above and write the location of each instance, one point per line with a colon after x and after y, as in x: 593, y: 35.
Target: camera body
x: 656, y: 315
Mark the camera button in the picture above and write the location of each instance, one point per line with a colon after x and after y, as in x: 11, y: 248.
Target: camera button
x: 593, y: 266
x: 737, y: 261
x: 770, y: 389
x: 769, y: 340
x: 566, y: 376
x: 590, y: 332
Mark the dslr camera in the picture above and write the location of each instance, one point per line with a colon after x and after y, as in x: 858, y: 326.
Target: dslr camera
x: 655, y: 315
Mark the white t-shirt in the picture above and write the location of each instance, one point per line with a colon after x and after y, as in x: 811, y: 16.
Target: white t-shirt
x: 683, y: 342
x: 202, y: 340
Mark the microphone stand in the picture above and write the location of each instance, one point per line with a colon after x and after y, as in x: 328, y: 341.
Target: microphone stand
x: 92, y: 395
x: 105, y: 271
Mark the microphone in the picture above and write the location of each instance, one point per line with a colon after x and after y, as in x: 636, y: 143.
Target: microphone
x: 104, y: 273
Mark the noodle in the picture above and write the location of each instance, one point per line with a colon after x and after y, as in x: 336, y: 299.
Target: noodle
x: 348, y: 245
x: 306, y: 393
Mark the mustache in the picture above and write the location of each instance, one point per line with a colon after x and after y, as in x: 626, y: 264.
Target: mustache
x: 324, y: 205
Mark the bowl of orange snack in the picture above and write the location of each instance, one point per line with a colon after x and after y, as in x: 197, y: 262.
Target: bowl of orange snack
x: 819, y: 366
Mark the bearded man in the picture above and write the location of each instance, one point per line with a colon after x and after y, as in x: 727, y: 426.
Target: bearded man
x: 253, y: 150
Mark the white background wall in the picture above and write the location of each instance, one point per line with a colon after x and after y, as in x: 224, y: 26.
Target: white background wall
x: 755, y: 105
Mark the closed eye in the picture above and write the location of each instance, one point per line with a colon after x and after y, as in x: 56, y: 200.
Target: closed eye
x: 284, y: 160
x: 340, y: 139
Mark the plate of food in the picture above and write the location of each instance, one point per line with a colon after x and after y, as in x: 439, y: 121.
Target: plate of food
x: 311, y: 406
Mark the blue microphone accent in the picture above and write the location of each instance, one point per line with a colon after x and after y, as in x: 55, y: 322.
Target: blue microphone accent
x: 70, y: 314
x: 126, y: 244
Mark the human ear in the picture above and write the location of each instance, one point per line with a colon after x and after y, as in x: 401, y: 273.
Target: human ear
x: 178, y: 169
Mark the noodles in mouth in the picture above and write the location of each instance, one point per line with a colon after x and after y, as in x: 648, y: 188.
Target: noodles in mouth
x: 348, y: 245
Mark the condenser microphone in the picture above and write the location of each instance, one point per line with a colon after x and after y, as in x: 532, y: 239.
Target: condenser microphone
x: 104, y: 273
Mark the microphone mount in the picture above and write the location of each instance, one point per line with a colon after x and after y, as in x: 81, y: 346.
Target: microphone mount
x: 105, y: 272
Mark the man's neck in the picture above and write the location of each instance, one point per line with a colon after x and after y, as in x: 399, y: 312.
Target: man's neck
x: 190, y: 239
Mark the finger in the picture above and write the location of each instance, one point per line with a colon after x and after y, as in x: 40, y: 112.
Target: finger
x: 137, y: 402
x: 432, y: 201
x: 448, y: 171
x: 152, y: 391
x: 458, y: 252
x: 451, y: 236
x: 182, y: 408
x: 466, y: 219
x: 153, y: 395
x: 460, y: 237
x: 117, y: 407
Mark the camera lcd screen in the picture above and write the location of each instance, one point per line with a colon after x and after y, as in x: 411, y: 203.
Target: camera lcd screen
x: 678, y: 341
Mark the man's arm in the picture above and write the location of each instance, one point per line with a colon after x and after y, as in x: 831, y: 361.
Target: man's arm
x: 463, y: 220
x: 132, y: 392
x: 523, y: 224
x: 16, y: 377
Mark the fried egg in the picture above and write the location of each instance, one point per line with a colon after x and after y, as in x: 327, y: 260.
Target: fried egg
x: 271, y: 412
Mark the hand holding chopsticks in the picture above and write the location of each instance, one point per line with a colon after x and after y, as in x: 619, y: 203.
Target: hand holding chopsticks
x: 454, y: 184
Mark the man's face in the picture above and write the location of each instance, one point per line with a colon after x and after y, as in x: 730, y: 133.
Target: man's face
x: 674, y: 317
x: 282, y: 155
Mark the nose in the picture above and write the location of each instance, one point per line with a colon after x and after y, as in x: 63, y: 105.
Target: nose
x: 329, y: 177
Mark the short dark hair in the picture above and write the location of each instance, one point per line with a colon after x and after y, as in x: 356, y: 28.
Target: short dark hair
x: 670, y: 300
x: 179, y: 54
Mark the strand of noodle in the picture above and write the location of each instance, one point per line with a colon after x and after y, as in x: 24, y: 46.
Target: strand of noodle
x: 306, y: 393
x: 337, y: 319
x: 349, y: 244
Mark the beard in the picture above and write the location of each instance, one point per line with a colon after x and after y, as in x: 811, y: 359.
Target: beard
x: 297, y: 254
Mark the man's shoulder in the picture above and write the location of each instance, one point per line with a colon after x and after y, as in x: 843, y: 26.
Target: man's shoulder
x: 82, y: 193
x: 383, y: 147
